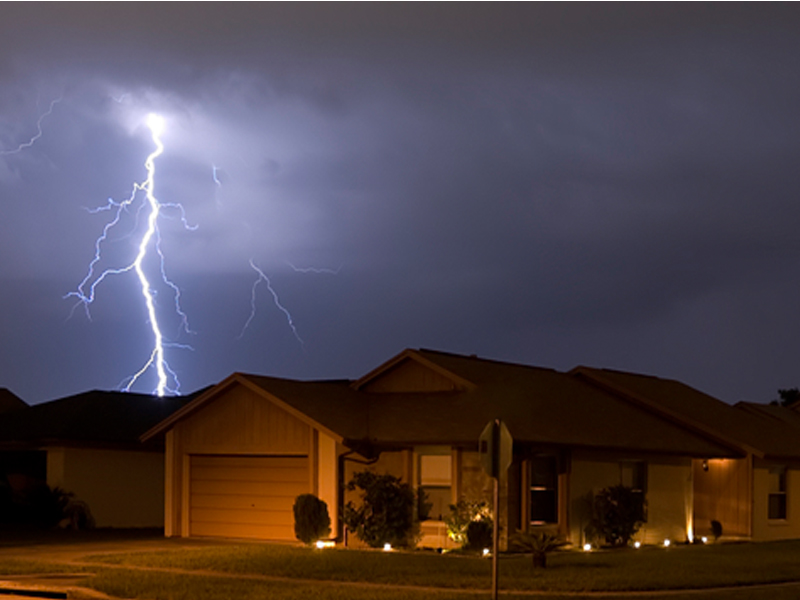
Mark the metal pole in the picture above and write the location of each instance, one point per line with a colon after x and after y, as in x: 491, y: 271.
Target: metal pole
x: 496, y: 538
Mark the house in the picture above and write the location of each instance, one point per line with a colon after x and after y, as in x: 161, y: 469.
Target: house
x: 10, y: 402
x: 750, y: 497
x: 238, y: 454
x: 88, y: 445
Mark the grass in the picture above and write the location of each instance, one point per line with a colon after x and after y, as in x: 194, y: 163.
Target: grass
x: 680, y: 567
x: 250, y: 571
x: 14, y: 566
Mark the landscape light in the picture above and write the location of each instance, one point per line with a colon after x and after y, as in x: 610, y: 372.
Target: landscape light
x: 667, y: 543
x: 486, y: 552
x: 325, y: 544
x: 387, y: 547
x: 704, y: 539
x: 587, y: 547
x: 637, y: 545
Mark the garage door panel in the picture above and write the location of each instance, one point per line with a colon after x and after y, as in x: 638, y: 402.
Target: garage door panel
x: 243, y: 517
x: 265, y: 473
x: 246, y: 496
x: 228, y: 461
x: 232, y: 530
x: 242, y: 502
x: 249, y: 488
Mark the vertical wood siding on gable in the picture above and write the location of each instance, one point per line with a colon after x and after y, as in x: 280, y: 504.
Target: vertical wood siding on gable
x: 242, y: 422
x: 410, y: 376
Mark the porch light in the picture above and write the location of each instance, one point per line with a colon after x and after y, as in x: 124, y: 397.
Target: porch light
x: 387, y: 547
x: 587, y: 547
x: 667, y: 543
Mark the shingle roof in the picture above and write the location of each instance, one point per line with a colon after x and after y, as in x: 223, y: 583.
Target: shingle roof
x: 540, y: 406
x: 764, y: 430
x: 90, y: 418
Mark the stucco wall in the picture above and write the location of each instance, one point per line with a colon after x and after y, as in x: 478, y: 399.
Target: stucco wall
x: 765, y: 529
x: 669, y: 494
x: 121, y: 488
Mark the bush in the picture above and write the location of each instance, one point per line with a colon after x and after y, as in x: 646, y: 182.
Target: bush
x: 480, y: 534
x: 43, y: 506
x: 618, y: 512
x: 716, y: 530
x: 385, y: 514
x: 311, y: 519
x: 461, y: 515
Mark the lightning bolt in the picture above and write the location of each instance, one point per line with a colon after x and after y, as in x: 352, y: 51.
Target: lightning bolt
x: 315, y: 270
x: 214, y: 171
x: 151, y: 238
x: 37, y: 135
x: 276, y: 300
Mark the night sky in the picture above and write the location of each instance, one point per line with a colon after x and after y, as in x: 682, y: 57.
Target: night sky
x: 607, y: 185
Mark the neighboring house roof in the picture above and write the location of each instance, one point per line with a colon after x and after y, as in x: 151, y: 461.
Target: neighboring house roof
x: 9, y: 401
x: 93, y: 418
x: 540, y: 407
x: 765, y: 431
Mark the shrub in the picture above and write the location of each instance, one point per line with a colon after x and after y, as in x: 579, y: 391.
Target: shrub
x: 716, y: 529
x: 538, y: 544
x: 479, y: 534
x: 618, y: 512
x: 385, y: 514
x: 461, y: 515
x: 311, y: 519
x: 43, y: 506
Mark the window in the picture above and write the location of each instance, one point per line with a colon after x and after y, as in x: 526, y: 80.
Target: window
x: 777, y: 493
x: 435, y: 478
x: 633, y: 474
x: 544, y: 490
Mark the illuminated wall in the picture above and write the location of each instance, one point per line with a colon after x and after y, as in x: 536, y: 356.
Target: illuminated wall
x: 669, y: 493
x: 764, y: 484
x: 723, y: 493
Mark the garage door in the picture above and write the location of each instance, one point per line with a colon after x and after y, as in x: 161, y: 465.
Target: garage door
x: 246, y: 496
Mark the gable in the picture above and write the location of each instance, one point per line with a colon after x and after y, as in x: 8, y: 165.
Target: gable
x: 409, y: 375
x: 241, y: 421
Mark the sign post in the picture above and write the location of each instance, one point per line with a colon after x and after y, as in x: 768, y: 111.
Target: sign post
x: 495, y: 447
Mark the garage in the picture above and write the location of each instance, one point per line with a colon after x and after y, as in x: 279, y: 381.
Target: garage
x: 245, y: 496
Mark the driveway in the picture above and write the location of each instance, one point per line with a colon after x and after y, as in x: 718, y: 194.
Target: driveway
x: 71, y: 547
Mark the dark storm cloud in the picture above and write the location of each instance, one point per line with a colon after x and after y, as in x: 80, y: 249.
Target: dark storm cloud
x: 609, y: 184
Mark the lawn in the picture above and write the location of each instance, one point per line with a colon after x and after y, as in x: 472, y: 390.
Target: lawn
x: 251, y: 571
x: 678, y: 567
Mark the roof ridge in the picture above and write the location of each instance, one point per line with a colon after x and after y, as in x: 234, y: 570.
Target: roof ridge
x: 488, y: 360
